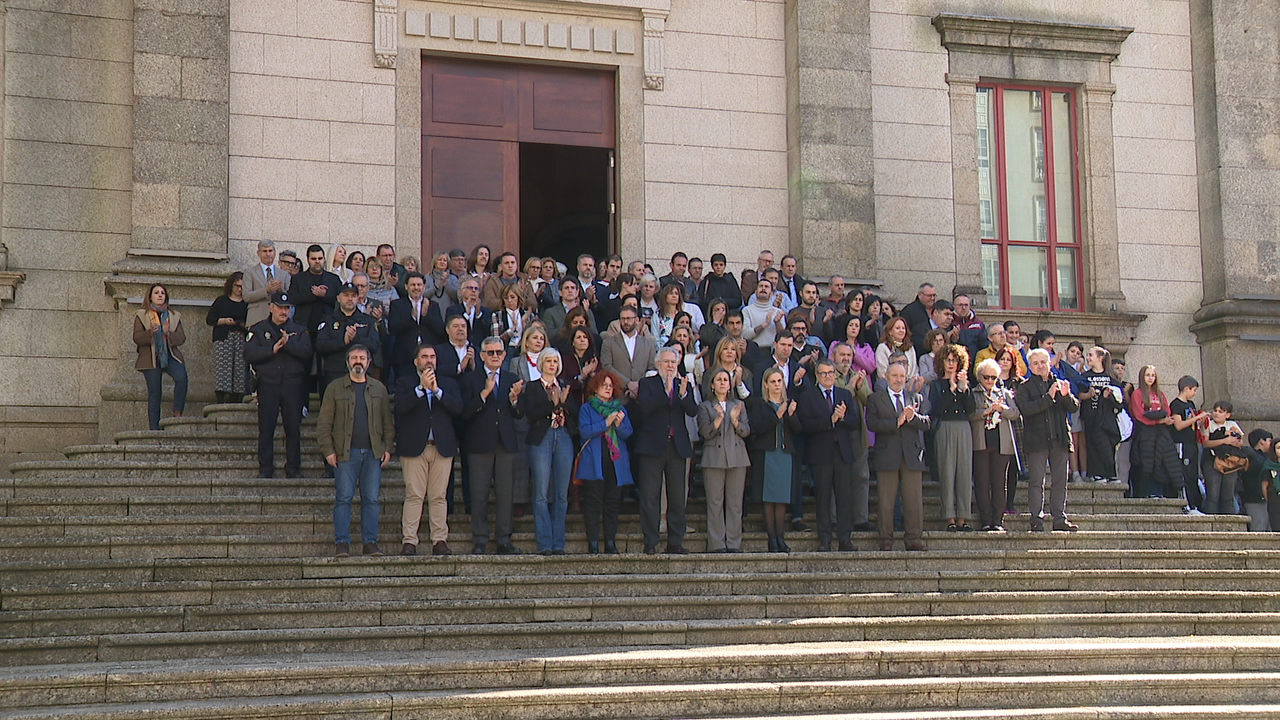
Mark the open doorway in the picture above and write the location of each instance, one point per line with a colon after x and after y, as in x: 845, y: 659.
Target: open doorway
x: 564, y: 201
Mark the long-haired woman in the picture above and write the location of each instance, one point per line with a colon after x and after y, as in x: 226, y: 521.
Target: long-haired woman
x: 952, y: 405
x: 1155, y: 470
x: 1099, y: 406
x: 896, y: 338
x: 158, y: 333
x: 227, y: 316
x: 337, y: 263
x: 775, y: 471
x: 723, y: 425
x: 478, y: 263
x: 546, y: 405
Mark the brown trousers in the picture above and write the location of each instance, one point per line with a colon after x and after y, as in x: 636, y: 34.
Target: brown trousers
x: 911, y: 484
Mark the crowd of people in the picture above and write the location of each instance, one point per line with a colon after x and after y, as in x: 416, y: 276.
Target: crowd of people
x: 583, y: 387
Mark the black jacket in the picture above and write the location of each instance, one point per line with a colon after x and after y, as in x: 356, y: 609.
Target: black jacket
x: 291, y: 364
x: 417, y: 417
x: 311, y: 310
x: 480, y: 327
x: 823, y: 438
x: 536, y: 407
x: 725, y: 287
x: 764, y: 427
x: 331, y: 344
x: 1044, y: 419
x: 662, y: 416
x: 409, y: 334
x: 491, y: 421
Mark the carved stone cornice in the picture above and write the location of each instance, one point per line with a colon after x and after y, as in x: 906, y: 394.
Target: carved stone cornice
x: 1113, y: 331
x: 1254, y: 318
x: 976, y: 33
x: 655, y: 65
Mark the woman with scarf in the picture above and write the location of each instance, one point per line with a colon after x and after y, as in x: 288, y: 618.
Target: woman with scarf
x: 158, y: 333
x: 444, y: 284
x: 603, y: 465
x: 994, y: 443
x: 227, y: 316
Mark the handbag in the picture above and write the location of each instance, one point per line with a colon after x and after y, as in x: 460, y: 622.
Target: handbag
x: 1227, y: 464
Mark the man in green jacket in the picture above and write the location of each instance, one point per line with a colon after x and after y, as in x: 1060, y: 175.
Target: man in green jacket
x: 356, y: 432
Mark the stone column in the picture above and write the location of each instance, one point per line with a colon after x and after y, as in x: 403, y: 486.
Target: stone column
x: 832, y: 199
x: 964, y: 184
x: 1235, y: 66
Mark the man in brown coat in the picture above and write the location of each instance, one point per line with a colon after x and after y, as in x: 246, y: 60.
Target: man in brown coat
x: 356, y: 432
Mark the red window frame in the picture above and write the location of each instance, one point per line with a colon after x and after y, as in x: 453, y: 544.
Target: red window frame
x: 1053, y: 242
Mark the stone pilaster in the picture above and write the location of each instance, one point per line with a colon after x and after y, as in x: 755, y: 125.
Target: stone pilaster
x: 962, y: 95
x: 829, y: 146
x: 1235, y: 66
x: 181, y: 115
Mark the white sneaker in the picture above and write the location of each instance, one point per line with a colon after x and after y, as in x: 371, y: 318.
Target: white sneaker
x: 304, y: 411
x: 1192, y: 511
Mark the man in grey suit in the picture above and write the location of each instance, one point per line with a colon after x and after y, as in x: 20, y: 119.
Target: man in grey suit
x: 570, y: 297
x: 893, y: 414
x: 628, y: 353
x: 261, y: 280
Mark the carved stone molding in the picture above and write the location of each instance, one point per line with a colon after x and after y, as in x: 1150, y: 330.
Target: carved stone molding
x: 655, y: 68
x: 974, y: 33
x: 512, y: 31
x: 386, y: 33
x: 9, y: 279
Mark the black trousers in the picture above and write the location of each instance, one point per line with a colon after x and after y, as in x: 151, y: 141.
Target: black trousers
x: 496, y: 470
x: 273, y: 400
x: 601, y: 498
x: 1101, y: 454
x: 836, y: 479
x: 652, y: 473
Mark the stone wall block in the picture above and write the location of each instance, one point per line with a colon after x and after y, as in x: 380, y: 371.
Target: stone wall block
x: 83, y: 166
x: 826, y: 125
x: 157, y: 75
x: 156, y: 205
x: 162, y: 161
x: 204, y: 36
x: 832, y: 50
x: 203, y: 208
x: 182, y: 121
x: 45, y: 76
x: 179, y: 239
x: 206, y: 79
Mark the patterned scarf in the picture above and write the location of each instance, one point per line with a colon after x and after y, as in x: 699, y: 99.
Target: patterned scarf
x: 607, y: 408
x: 161, y: 314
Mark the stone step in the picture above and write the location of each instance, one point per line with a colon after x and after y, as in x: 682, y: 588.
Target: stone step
x: 952, y: 552
x: 142, y: 682
x: 321, y: 522
x: 165, y: 467
x: 343, y: 613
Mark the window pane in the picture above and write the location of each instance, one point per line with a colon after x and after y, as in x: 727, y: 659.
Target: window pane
x: 1068, y: 295
x: 1063, y: 169
x: 988, y: 198
x: 1028, y: 277
x: 1024, y: 157
x: 991, y: 274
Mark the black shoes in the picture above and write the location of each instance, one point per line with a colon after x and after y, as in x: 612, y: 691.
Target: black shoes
x: 441, y: 548
x: 342, y: 550
x: 611, y: 547
x: 677, y: 550
x: 846, y: 546
x: 650, y: 549
x: 1065, y: 526
x: 798, y: 525
x: 593, y: 547
x: 408, y: 549
x: 508, y: 549
x: 371, y: 550
x: 478, y: 549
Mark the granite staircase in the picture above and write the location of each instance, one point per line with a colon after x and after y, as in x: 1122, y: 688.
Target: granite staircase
x: 155, y: 577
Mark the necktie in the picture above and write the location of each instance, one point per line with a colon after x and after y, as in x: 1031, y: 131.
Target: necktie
x: 270, y: 275
x: 831, y: 399
x: 897, y: 402
x: 417, y: 311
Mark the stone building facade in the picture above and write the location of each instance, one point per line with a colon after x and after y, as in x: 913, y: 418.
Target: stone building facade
x: 159, y: 140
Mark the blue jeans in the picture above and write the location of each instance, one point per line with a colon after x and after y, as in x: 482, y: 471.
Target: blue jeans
x: 550, y: 464
x: 365, y: 467
x: 155, y: 390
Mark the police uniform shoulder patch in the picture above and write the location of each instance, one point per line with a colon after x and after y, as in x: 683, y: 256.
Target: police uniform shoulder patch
x: 249, y: 336
x: 335, y: 327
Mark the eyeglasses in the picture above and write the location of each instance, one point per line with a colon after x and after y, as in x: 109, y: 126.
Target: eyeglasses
x: 826, y: 372
x: 990, y: 377
x: 492, y: 352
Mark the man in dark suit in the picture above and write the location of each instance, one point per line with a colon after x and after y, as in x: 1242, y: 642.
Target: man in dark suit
x: 664, y: 448
x: 457, y: 356
x: 917, y: 311
x: 489, y: 442
x: 791, y: 284
x: 314, y: 292
x: 425, y: 407
x: 829, y: 417
x: 479, y: 319
x: 414, y: 321
x: 893, y: 415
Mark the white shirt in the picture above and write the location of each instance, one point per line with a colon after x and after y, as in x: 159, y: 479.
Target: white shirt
x: 630, y: 342
x: 461, y: 351
x: 275, y: 271
x: 785, y: 367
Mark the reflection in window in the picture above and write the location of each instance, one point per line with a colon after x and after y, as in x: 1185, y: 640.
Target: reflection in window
x: 1027, y: 196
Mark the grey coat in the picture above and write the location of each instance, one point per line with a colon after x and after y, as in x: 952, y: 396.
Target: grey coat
x: 720, y: 448
x: 1008, y: 438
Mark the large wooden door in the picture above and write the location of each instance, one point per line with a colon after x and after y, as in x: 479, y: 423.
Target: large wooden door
x: 474, y: 115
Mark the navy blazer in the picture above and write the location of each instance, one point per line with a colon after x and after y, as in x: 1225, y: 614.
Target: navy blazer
x: 663, y: 416
x: 409, y: 334
x: 447, y: 362
x: 416, y: 417
x: 823, y: 436
x: 491, y: 421
x: 794, y: 388
x: 480, y: 328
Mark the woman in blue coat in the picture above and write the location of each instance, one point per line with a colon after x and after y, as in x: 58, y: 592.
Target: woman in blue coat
x: 603, y: 466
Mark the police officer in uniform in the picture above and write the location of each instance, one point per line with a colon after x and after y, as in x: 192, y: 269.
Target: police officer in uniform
x: 279, y: 350
x: 346, y: 327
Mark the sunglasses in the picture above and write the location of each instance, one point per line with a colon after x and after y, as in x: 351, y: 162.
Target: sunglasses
x: 492, y: 352
x: 990, y: 377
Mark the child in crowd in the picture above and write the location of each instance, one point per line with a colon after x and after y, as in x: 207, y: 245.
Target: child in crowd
x: 1223, y: 437
x: 1256, y: 480
x: 1185, y: 417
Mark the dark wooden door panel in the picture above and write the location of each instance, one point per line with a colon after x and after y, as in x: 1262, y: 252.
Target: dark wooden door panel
x: 567, y: 107
x: 476, y: 100
x: 470, y: 195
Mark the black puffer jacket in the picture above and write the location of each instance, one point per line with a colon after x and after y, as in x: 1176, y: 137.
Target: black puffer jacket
x: 1044, y: 418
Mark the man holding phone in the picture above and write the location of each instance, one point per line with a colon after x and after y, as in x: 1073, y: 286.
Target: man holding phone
x: 1045, y: 403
